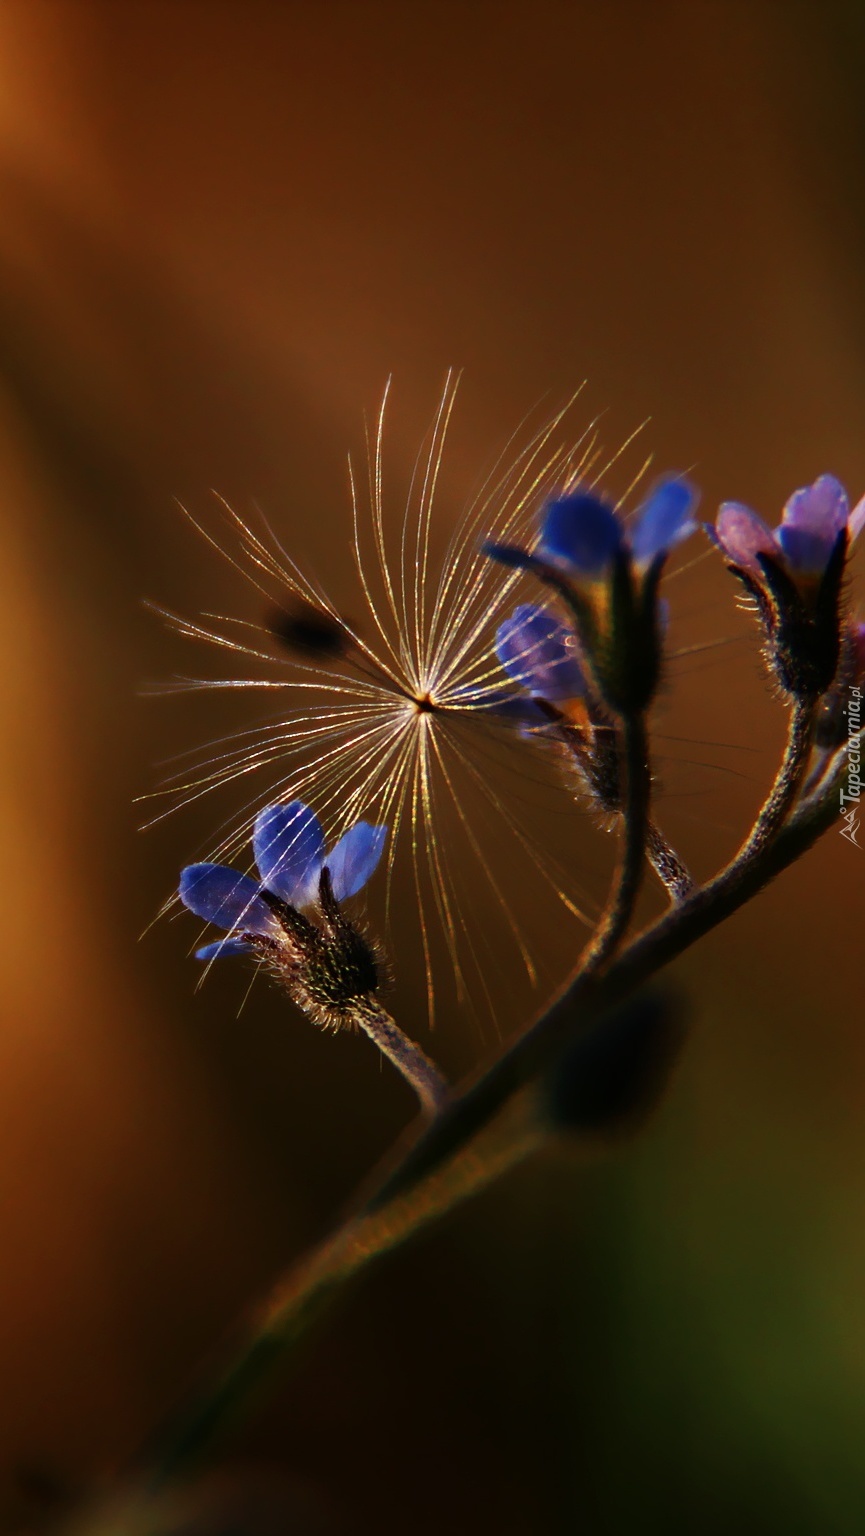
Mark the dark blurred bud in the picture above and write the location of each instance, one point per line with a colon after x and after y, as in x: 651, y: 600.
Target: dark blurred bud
x: 311, y: 632
x: 610, y: 1081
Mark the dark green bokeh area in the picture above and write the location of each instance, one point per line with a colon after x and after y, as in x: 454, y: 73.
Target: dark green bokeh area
x: 224, y: 226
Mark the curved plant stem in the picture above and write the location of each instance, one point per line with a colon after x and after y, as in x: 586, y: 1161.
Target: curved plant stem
x: 423, y: 1075
x: 788, y: 780
x: 743, y: 877
x: 278, y: 1326
x: 491, y: 1124
x: 635, y: 820
x: 667, y: 865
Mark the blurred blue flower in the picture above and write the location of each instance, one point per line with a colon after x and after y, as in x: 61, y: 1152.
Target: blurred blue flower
x: 582, y: 535
x: 540, y: 654
x: 607, y: 571
x: 289, y: 847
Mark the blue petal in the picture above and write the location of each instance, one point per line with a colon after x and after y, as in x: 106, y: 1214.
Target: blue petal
x: 664, y: 520
x: 540, y: 654
x: 224, y: 947
x: 581, y: 533
x: 807, y: 550
x: 822, y: 508
x: 224, y: 897
x: 289, y: 847
x: 813, y: 518
x: 355, y: 857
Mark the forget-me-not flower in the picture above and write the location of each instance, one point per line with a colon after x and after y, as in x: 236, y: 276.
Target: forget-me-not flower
x: 607, y: 570
x: 289, y: 847
x: 794, y: 573
x: 803, y: 544
x: 583, y: 536
x: 541, y: 655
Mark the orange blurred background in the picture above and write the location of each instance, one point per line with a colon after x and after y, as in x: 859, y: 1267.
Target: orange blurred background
x: 224, y: 226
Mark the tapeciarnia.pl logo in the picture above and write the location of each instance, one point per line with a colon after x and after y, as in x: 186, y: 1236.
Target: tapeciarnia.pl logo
x: 850, y: 794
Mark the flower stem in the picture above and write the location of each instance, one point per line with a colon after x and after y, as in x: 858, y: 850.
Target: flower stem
x: 484, y: 1129
x: 423, y: 1075
x: 278, y: 1325
x: 788, y: 780
x: 636, y: 789
x: 709, y: 905
x: 667, y: 865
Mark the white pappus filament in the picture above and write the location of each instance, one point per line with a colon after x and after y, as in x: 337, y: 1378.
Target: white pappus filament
x: 389, y: 718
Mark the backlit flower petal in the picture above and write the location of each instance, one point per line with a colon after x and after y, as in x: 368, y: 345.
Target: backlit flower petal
x: 540, y: 654
x: 224, y: 947
x: 743, y: 535
x: 289, y: 848
x: 581, y: 533
x: 665, y: 519
x: 222, y: 896
x: 821, y: 507
x: 813, y: 518
x: 354, y: 858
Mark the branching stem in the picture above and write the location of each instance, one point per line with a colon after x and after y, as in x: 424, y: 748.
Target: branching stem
x: 489, y: 1126
x: 788, y: 780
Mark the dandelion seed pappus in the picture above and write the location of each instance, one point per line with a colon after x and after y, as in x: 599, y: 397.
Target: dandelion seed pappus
x: 399, y: 712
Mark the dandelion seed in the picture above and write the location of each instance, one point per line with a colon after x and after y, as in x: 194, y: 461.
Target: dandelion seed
x: 403, y: 716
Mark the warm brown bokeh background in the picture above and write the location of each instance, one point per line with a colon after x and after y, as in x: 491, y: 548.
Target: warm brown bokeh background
x: 223, y: 226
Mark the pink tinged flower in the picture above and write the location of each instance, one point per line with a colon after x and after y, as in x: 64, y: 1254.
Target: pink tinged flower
x: 743, y: 536
x: 795, y: 574
x: 803, y: 542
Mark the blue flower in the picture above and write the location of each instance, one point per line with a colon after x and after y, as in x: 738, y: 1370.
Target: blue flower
x: 583, y: 536
x: 607, y: 571
x: 289, y: 849
x: 540, y: 654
